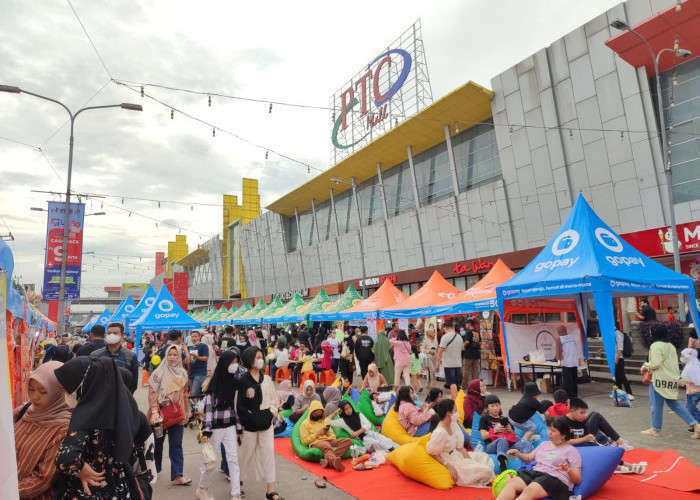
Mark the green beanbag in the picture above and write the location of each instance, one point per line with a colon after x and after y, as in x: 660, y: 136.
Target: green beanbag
x: 286, y: 413
x: 364, y: 406
x: 312, y: 454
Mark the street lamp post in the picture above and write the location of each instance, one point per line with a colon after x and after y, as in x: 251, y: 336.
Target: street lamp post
x: 665, y: 148
x: 66, y: 216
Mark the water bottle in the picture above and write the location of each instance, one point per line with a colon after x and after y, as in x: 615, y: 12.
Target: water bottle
x: 479, y: 448
x: 354, y: 452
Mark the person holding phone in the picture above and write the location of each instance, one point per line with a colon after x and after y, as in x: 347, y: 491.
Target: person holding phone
x: 316, y: 432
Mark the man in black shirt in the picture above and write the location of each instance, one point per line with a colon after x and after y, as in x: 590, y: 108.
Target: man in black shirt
x: 498, y: 434
x: 363, y: 351
x: 305, y: 337
x: 471, y: 354
x: 97, y: 341
x: 647, y: 313
x: 228, y: 340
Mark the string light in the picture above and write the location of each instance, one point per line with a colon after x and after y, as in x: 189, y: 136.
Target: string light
x: 571, y: 135
x: 156, y: 224
x: 456, y: 127
x: 510, y: 131
x: 213, y: 132
x: 308, y: 170
x: 192, y: 208
x: 158, y: 204
x: 210, y: 101
x: 333, y: 117
x: 122, y: 201
x: 675, y: 43
x: 678, y: 5
x: 622, y: 136
x: 270, y: 110
x: 129, y: 214
x: 267, y: 154
x: 141, y: 90
x: 673, y: 104
x: 172, y: 114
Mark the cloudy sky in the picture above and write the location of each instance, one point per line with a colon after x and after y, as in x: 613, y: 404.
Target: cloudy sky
x: 296, y: 52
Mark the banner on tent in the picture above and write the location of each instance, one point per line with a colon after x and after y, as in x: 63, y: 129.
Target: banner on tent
x: 524, y: 339
x: 54, y: 251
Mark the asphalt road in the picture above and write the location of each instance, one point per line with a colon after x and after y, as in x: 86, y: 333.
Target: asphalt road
x: 295, y: 483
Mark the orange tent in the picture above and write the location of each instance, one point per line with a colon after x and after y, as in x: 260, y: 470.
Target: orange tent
x: 435, y: 290
x: 386, y: 296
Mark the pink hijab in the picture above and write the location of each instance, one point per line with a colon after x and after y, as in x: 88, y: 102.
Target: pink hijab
x: 57, y: 412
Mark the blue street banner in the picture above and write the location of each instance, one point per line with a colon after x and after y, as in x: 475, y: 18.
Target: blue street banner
x: 54, y: 251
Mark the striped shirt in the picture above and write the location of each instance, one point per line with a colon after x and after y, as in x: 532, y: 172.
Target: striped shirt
x: 215, y: 418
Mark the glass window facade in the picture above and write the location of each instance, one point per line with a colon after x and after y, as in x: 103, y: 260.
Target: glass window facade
x: 324, y: 217
x: 307, y: 228
x: 293, y: 235
x: 476, y: 156
x: 433, y: 175
x: 398, y: 189
x: 370, y: 195
x: 685, y: 136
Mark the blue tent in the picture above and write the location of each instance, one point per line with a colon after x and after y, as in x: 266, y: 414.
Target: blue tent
x: 7, y: 264
x: 126, y: 307
x: 164, y: 314
x: 586, y: 259
x: 144, y: 304
x: 102, y: 319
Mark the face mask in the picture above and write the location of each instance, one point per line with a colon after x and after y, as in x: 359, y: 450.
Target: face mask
x: 71, y: 400
x: 315, y: 418
x: 484, y: 394
x: 233, y: 368
x: 347, y: 335
x: 241, y: 343
x: 455, y: 417
x: 112, y: 338
x: 259, y: 363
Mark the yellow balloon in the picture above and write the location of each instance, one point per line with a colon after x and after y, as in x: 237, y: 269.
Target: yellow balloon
x: 155, y: 360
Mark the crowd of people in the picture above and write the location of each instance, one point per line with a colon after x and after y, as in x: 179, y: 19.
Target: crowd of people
x: 82, y: 435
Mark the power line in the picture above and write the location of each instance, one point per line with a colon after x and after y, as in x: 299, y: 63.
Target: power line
x: 89, y: 39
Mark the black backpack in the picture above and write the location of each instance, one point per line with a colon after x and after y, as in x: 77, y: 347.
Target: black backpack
x: 627, y: 347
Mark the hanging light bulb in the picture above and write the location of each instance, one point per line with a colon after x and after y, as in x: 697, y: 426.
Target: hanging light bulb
x: 129, y: 214
x: 270, y: 110
x: 675, y: 43
x: 333, y: 117
x: 456, y: 127
x: 213, y: 132
x: 209, y: 100
x: 510, y: 131
x: 571, y: 135
x: 673, y: 104
x: 622, y: 136
x: 678, y: 5
x: 172, y: 114
x: 102, y: 205
x: 158, y: 204
x: 122, y: 201
x: 156, y: 224
x: 141, y: 90
x: 267, y: 154
x: 308, y: 169
x: 192, y: 208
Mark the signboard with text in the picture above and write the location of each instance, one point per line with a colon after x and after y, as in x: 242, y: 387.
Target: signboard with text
x: 54, y: 251
x: 658, y: 242
x: 393, y: 86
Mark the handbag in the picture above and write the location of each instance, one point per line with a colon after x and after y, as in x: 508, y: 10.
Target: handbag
x: 646, y: 378
x: 172, y: 414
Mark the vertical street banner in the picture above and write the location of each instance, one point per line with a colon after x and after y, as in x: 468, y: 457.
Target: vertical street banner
x: 54, y: 251
x: 8, y: 464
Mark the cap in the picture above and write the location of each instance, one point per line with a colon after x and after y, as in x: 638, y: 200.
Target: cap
x: 530, y: 389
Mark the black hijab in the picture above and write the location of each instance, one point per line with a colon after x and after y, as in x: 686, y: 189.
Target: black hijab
x: 104, y: 402
x: 223, y: 384
x: 353, y: 420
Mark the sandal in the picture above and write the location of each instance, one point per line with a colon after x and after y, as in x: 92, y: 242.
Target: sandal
x: 320, y: 483
x: 182, y: 480
x: 271, y: 496
x: 362, y: 466
x: 639, y: 468
x: 651, y: 432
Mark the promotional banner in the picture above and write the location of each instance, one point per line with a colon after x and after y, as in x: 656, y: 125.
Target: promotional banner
x: 54, y: 251
x: 8, y: 463
x: 524, y: 339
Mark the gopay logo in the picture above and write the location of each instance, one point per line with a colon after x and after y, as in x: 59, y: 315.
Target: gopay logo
x: 565, y: 242
x: 129, y: 308
x: 150, y: 301
x: 608, y: 239
x: 165, y: 306
x: 103, y: 321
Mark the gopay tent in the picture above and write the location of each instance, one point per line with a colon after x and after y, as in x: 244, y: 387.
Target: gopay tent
x: 349, y: 299
x: 316, y: 305
x: 257, y: 318
x: 144, y: 304
x: 289, y: 310
x: 126, y: 307
x: 386, y: 296
x: 102, y: 319
x: 252, y: 313
x: 164, y: 314
x: 586, y: 259
x: 480, y: 297
x: 435, y: 291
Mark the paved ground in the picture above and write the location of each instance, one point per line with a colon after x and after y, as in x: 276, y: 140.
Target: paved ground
x: 295, y: 483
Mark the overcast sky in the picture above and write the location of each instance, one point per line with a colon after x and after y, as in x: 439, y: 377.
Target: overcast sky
x: 287, y: 51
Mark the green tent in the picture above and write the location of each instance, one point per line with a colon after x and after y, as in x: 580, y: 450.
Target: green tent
x: 240, y: 312
x: 316, y: 305
x: 270, y: 310
x: 349, y: 299
x: 259, y: 307
x: 290, y: 309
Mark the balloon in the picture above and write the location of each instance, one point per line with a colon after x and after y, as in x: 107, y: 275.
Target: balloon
x: 155, y: 360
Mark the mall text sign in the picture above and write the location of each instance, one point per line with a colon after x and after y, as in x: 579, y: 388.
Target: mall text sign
x: 54, y: 251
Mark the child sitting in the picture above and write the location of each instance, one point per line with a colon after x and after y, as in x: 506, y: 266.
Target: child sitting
x: 380, y: 402
x: 559, y: 408
x: 520, y: 415
x: 497, y: 432
x: 316, y: 432
x: 557, y: 468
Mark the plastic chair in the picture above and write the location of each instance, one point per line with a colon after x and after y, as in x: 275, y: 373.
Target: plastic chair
x: 283, y: 373
x: 326, y: 377
x: 307, y: 376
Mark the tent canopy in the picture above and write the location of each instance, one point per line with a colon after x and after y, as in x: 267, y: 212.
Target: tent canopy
x: 349, y: 299
x: 289, y: 310
x: 387, y: 295
x: 250, y: 314
x: 144, y: 304
x: 257, y: 318
x: 102, y: 319
x: 315, y: 305
x: 239, y: 312
x: 435, y: 290
x: 126, y: 307
x: 587, y: 259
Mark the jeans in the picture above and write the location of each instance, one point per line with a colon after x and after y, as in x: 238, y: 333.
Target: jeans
x: 657, y: 409
x: 196, y: 384
x: 273, y: 370
x: 177, y: 461
x: 453, y: 375
x: 501, y: 446
x: 528, y: 425
x: 691, y: 404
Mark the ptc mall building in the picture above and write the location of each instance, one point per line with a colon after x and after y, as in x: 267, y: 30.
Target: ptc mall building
x: 485, y: 174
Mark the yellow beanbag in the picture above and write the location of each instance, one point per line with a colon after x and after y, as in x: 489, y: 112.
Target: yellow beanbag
x: 414, y: 462
x: 459, y: 403
x: 392, y: 428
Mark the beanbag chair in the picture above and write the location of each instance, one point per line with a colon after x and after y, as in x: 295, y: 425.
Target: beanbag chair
x: 541, y: 430
x: 288, y: 431
x: 286, y: 413
x: 306, y: 453
x: 459, y: 403
x: 364, y: 406
x: 414, y: 462
x: 477, y: 440
x: 423, y: 429
x: 354, y: 394
x: 392, y: 428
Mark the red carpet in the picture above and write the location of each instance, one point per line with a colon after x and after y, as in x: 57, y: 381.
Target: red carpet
x: 669, y: 477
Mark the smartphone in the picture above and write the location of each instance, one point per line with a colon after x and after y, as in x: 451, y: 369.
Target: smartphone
x: 327, y: 427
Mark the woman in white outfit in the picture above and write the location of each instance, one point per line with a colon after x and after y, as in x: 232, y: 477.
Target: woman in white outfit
x: 446, y: 445
x: 257, y: 410
x: 357, y: 425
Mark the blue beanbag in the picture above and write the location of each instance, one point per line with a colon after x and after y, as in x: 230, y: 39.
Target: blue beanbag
x: 288, y: 431
x: 423, y: 429
x: 355, y: 395
x: 541, y: 430
x: 477, y: 440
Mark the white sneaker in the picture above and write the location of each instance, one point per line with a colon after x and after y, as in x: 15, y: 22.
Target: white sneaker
x: 535, y: 437
x: 630, y: 397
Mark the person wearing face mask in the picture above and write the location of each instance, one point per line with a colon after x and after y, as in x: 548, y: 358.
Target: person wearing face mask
x: 199, y: 353
x: 93, y: 460
x: 304, y: 400
x: 220, y: 424
x: 257, y: 410
x: 446, y: 445
x: 121, y: 355
x: 40, y: 426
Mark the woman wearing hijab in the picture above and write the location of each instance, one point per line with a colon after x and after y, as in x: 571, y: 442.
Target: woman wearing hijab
x: 285, y: 397
x: 257, y: 410
x: 663, y: 365
x: 220, y: 424
x: 373, y: 380
x: 168, y: 383
x: 40, y: 426
x: 303, y: 400
x: 357, y: 425
x: 331, y: 395
x: 474, y: 402
x: 382, y: 357
x: 94, y: 457
x: 208, y: 339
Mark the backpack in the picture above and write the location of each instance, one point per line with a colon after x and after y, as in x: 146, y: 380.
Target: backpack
x: 627, y: 347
